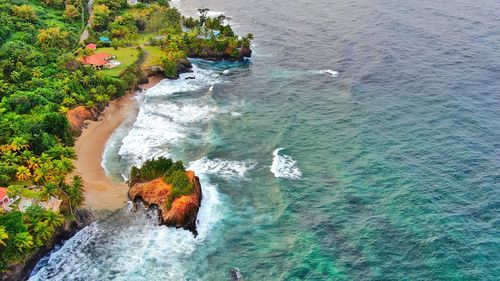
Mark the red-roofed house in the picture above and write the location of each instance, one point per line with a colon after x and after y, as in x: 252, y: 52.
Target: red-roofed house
x: 98, y: 60
x: 4, y: 199
x: 91, y: 46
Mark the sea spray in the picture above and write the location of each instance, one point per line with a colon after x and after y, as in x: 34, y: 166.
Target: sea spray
x: 165, y: 119
x: 224, y: 168
x: 329, y: 72
x: 284, y: 166
x: 131, y: 246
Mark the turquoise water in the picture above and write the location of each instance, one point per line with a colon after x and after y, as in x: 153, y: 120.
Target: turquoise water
x: 390, y: 167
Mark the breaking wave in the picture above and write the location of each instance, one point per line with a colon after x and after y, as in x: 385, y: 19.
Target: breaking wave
x: 284, y: 166
x: 226, y: 169
x: 330, y: 72
x: 165, y: 119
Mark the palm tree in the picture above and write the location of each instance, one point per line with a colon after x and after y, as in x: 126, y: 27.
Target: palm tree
x: 64, y: 166
x: 33, y: 163
x: 23, y: 173
x: 44, y: 158
x: 10, y: 158
x: 23, y: 241
x: 53, y: 219
x: 3, y: 236
x: 75, y: 193
x: 49, y: 190
x: 44, y: 173
x: 19, y: 144
x: 26, y: 155
x: 42, y: 232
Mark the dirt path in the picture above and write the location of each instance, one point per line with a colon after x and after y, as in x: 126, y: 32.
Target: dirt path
x: 85, y: 33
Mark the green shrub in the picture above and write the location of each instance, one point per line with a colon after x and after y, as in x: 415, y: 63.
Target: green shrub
x: 171, y: 172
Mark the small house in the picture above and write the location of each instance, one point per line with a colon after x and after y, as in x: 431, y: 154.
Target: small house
x: 91, y: 46
x: 99, y: 60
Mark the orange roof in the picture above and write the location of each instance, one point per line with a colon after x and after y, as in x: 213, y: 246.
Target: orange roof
x: 102, y: 55
x: 98, y: 59
x: 3, y: 192
x: 91, y: 46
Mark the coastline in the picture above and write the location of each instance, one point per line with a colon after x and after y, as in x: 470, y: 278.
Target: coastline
x: 101, y: 192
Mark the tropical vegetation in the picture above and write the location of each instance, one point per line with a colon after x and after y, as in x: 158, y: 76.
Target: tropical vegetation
x: 171, y: 172
x: 42, y: 78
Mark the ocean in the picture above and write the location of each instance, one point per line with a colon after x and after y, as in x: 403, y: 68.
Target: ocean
x: 360, y: 142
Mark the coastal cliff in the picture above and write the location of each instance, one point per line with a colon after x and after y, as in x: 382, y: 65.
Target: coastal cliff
x: 181, y: 212
x: 78, y: 115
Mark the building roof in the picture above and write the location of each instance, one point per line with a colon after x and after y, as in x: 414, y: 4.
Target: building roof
x: 3, y: 192
x: 98, y: 59
x: 104, y: 39
x: 91, y: 46
x: 102, y: 56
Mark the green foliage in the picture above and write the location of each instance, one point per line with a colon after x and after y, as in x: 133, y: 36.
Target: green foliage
x: 101, y: 17
x: 75, y: 193
x: 25, y: 232
x: 25, y: 12
x: 171, y: 172
x: 113, y: 5
x: 181, y: 185
x: 169, y: 68
x: 71, y: 12
x: 155, y: 168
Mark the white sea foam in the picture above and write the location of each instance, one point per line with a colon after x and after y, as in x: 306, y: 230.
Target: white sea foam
x: 129, y: 247
x: 284, y: 166
x: 162, y: 122
x: 330, y: 72
x: 224, y: 168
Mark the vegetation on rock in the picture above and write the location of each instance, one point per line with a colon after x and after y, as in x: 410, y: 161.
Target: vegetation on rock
x: 173, y: 173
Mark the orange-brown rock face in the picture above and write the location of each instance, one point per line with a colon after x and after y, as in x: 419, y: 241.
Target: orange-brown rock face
x: 184, y: 209
x: 78, y: 115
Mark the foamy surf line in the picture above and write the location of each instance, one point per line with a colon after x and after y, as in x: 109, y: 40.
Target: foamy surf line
x: 329, y: 72
x: 161, y: 123
x: 223, y: 168
x: 284, y: 166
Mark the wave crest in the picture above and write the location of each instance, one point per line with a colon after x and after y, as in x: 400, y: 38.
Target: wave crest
x: 284, y: 166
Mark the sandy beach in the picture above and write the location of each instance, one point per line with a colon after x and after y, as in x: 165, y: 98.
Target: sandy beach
x: 101, y: 192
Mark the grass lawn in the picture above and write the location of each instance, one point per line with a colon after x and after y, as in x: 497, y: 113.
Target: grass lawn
x: 126, y: 56
x: 154, y: 56
x: 29, y: 193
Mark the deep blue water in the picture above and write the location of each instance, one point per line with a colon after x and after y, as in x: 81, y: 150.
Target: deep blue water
x: 390, y: 171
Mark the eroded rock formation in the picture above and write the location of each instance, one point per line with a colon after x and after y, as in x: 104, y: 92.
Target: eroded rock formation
x: 78, y: 115
x: 183, y: 211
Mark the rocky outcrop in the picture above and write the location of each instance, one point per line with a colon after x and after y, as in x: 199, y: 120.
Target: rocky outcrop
x: 78, y: 115
x: 184, y: 210
x: 214, y: 55
x: 183, y: 66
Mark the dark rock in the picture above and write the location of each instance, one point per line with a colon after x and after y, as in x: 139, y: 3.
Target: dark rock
x: 235, y: 274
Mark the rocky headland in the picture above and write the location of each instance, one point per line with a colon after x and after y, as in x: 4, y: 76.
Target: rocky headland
x: 183, y: 210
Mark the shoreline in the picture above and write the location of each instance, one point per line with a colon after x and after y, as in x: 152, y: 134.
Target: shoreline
x: 101, y: 192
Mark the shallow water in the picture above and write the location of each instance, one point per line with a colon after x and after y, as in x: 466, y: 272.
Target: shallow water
x: 387, y: 113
